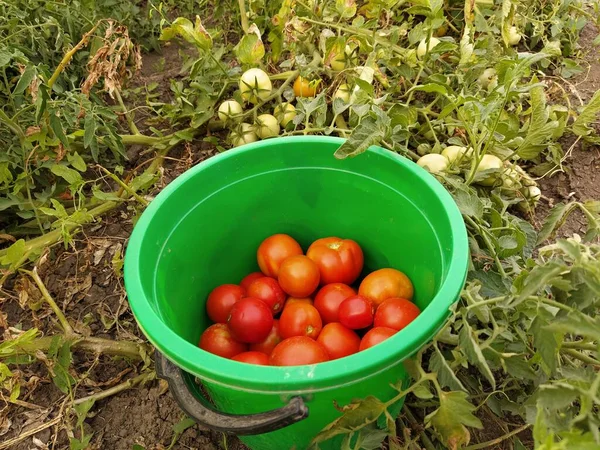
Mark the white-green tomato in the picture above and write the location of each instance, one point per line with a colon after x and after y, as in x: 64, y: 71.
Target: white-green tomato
x: 489, y: 162
x: 343, y: 92
x: 488, y: 79
x: 514, y: 37
x: 266, y: 126
x: 243, y: 134
x: 456, y: 152
x: 229, y: 110
x: 434, y: 162
x: 285, y: 113
x: 255, y: 85
x: 423, y: 48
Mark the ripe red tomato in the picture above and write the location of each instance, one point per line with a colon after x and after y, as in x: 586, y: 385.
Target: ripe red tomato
x: 339, y: 260
x: 374, y: 336
x: 248, y: 279
x: 221, y: 300
x: 338, y: 340
x: 218, y: 339
x: 385, y: 283
x: 252, y: 358
x: 292, y: 300
x: 395, y: 313
x: 250, y: 320
x: 329, y: 298
x: 274, y: 250
x: 270, y: 341
x: 298, y: 276
x: 268, y: 290
x: 356, y: 312
x: 300, y: 320
x: 298, y: 351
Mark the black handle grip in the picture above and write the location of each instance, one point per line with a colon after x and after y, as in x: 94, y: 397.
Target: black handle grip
x: 192, y: 402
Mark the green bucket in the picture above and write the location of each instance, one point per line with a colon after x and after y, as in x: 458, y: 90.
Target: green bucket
x: 203, y: 230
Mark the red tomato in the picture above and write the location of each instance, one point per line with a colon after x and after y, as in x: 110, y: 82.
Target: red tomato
x: 268, y: 290
x: 374, y: 336
x: 298, y: 276
x: 338, y: 340
x: 292, y: 300
x: 298, y: 351
x: 217, y: 339
x: 329, y: 298
x: 339, y: 260
x: 252, y: 358
x: 251, y: 320
x: 385, y: 283
x: 356, y: 312
x: 221, y: 300
x: 300, y: 320
x: 270, y: 342
x: 274, y: 250
x: 395, y: 313
x: 248, y: 279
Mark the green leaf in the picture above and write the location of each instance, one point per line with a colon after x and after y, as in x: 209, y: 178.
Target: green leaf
x: 183, y: 425
x: 83, y: 444
x: 82, y: 409
x: 556, y: 397
x: 555, y: 219
x: 14, y: 253
x: 468, y: 203
x: 357, y: 415
x: 449, y: 419
x: 71, y: 176
x: 468, y: 343
x: 446, y: 376
x: 89, y: 127
x: 539, y: 129
x: 25, y: 79
x: 346, y: 8
x: 184, y: 28
x: 577, y: 323
x: 250, y: 50
x: 431, y: 87
x: 58, y: 130
x: 519, y: 367
x: 138, y: 447
x: 422, y: 391
x: 588, y: 115
x: 539, y: 278
x: 77, y: 161
x: 369, y: 132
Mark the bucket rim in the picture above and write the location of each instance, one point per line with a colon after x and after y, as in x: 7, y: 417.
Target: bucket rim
x: 295, y: 379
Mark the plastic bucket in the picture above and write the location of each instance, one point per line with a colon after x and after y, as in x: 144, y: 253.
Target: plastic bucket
x: 203, y: 230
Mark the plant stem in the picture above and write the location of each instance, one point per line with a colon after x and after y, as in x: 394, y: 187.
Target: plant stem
x: 591, y: 346
x: 128, y: 115
x: 69, y: 55
x: 580, y: 356
x: 127, y: 384
x: 424, y: 438
x: 64, y: 323
x: 30, y: 432
x: 12, y: 126
x: 243, y: 15
x: 493, y: 442
x: 117, y: 180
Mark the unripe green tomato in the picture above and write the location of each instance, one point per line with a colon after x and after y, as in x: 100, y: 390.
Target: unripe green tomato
x: 285, y: 113
x: 244, y: 134
x: 266, y: 126
x: 434, y: 162
x: 255, y: 85
x: 456, y: 152
x: 423, y: 149
x: 487, y: 77
x: 514, y: 37
x: 229, y: 110
x: 343, y: 92
x: 489, y: 162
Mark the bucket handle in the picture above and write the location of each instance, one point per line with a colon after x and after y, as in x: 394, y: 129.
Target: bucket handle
x: 188, y: 396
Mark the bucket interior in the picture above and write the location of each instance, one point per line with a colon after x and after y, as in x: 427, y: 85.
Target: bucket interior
x: 205, y: 232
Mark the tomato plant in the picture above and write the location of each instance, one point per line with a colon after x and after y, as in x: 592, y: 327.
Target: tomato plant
x: 268, y: 290
x: 300, y: 319
x: 221, y: 300
x: 250, y: 320
x: 299, y: 276
x: 385, y: 283
x: 274, y: 250
x: 338, y: 340
x: 356, y: 312
x: 252, y: 357
x: 328, y: 300
x: 268, y: 344
x: 298, y: 351
x: 339, y: 260
x: 375, y: 336
x: 218, y: 339
x: 395, y: 313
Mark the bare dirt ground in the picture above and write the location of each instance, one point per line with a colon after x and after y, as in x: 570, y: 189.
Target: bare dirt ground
x: 84, y: 283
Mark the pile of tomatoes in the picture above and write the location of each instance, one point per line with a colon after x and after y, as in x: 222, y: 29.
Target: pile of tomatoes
x: 321, y: 317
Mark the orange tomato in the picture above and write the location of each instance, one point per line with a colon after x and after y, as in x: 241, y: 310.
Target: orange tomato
x: 386, y: 283
x: 306, y: 88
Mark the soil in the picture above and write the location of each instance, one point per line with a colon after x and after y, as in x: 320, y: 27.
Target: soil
x: 91, y: 293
